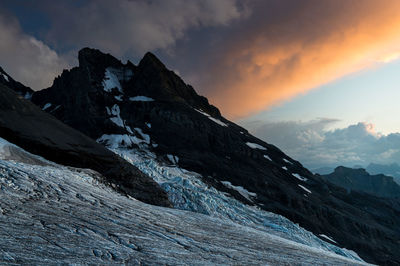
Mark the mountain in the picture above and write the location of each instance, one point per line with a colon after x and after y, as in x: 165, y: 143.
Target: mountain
x: 323, y: 170
x: 147, y: 111
x: 26, y: 125
x: 16, y: 86
x: 52, y: 214
x: 386, y: 169
x: 359, y: 180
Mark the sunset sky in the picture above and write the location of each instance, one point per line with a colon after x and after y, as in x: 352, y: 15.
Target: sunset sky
x: 319, y: 79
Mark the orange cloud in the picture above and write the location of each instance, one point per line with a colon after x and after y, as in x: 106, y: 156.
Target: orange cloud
x: 275, y: 59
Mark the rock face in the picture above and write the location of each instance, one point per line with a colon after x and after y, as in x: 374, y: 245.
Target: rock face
x: 148, y: 106
x: 24, y: 124
x: 359, y: 180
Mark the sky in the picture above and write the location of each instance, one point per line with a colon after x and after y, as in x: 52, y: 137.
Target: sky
x: 319, y: 79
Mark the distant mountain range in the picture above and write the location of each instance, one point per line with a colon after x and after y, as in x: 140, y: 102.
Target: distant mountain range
x: 360, y: 180
x: 386, y: 169
x: 392, y: 170
x: 149, y: 116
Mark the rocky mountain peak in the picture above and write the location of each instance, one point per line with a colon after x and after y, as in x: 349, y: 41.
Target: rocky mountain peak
x: 151, y: 62
x: 93, y: 57
x: 148, y: 108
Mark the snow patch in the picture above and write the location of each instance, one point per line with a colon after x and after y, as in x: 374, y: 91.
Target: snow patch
x: 173, y: 159
x: 141, y: 99
x: 111, y: 81
x: 287, y: 161
x: 148, y: 125
x: 267, y: 157
x: 327, y: 237
x: 284, y: 168
x: 5, y: 77
x: 114, y: 141
x: 299, y: 177
x: 244, y: 192
x: 47, y: 105
x: 118, y: 98
x: 144, y: 136
x: 28, y: 96
x: 55, y: 108
x: 219, y: 122
x: 117, y: 118
x: 305, y: 189
x: 255, y: 146
x: 128, y: 128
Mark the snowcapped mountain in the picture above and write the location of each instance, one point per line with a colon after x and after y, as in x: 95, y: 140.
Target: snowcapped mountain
x: 27, y: 126
x: 209, y: 165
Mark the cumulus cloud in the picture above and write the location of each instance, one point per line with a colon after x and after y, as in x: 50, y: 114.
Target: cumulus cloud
x: 134, y: 27
x: 286, y: 48
x: 25, y: 58
x: 314, y: 146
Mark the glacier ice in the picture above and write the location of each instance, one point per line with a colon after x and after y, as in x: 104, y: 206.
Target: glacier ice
x: 52, y: 214
x: 187, y: 191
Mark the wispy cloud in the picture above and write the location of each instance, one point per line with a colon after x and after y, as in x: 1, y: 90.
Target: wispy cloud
x: 287, y: 48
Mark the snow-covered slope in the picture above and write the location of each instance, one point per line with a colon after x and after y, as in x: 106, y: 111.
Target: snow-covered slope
x: 55, y: 214
x: 186, y: 191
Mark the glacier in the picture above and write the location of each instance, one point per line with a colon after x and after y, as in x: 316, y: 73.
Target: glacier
x: 51, y: 213
x: 187, y: 191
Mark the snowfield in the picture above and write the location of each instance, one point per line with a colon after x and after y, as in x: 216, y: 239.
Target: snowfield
x: 54, y: 214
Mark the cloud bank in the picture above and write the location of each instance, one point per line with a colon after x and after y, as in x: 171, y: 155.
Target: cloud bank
x: 125, y: 27
x: 26, y: 58
x: 314, y: 146
x: 286, y: 48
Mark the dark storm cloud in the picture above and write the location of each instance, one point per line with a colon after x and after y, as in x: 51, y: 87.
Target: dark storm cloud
x: 124, y: 28
x: 133, y: 27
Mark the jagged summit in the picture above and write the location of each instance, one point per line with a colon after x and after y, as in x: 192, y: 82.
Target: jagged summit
x: 150, y: 60
x: 94, y: 57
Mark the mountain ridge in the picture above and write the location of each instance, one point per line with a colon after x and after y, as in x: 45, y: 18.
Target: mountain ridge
x: 25, y: 125
x: 360, y: 180
x: 154, y: 109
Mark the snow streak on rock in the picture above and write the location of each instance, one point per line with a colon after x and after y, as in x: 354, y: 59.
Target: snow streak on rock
x: 255, y: 146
